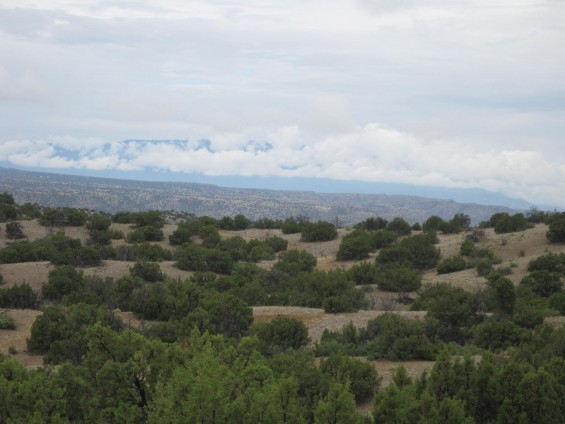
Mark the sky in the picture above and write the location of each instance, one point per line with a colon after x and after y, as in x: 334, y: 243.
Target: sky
x: 459, y: 94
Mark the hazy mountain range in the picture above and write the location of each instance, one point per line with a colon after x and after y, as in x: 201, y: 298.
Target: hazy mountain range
x: 112, y: 195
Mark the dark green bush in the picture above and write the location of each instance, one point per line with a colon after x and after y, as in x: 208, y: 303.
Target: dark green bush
x: 7, y: 322
x: 451, y: 264
x: 543, y: 283
x: 14, y: 231
x: 399, y: 226
x: 363, y: 273
x: 355, y: 245
x: 148, y: 271
x: 361, y: 375
x: 278, y: 244
x: 319, y: 231
x: 294, y: 261
x: 550, y: 262
x: 143, y: 234
x: 398, y: 278
x: 280, y: 334
x: 556, y: 232
x: 19, y: 296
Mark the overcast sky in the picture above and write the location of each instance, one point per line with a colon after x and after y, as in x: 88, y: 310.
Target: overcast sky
x: 466, y: 93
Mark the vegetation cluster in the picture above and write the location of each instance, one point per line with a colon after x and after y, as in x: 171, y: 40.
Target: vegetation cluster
x: 201, y: 358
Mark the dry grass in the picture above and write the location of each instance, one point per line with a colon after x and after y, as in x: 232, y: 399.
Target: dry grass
x: 317, y: 320
x: 515, y: 248
x: 17, y: 338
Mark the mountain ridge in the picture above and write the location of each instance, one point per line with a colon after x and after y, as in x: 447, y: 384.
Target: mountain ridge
x: 113, y: 195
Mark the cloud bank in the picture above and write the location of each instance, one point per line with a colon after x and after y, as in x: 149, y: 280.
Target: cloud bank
x: 373, y: 153
x: 468, y: 93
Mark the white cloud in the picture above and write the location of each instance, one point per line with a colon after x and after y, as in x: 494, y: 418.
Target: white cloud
x: 373, y: 153
x: 477, y: 88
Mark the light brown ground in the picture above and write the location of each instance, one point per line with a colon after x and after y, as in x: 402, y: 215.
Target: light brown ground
x: 17, y: 338
x: 516, y: 249
x: 317, y: 320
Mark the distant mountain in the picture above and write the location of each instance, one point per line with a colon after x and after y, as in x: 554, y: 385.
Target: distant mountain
x: 113, y: 195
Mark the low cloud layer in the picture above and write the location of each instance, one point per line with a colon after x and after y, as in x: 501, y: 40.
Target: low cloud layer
x: 373, y: 153
x: 469, y: 93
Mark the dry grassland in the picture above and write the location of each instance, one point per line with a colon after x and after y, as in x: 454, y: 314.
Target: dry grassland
x: 515, y: 249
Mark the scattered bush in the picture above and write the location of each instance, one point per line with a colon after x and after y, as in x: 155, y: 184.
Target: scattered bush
x: 7, y: 323
x: 14, y: 231
x: 372, y: 224
x: 361, y: 375
x: 143, y: 234
x: 319, y: 231
x: 291, y: 226
x: 363, y: 273
x: 280, y: 334
x: 278, y: 244
x: 451, y: 264
x: 148, y: 271
x: 356, y: 245
x: 19, y: 296
x: 294, y: 261
x: 556, y: 232
x: 398, y: 278
x: 543, y: 283
x: 399, y: 226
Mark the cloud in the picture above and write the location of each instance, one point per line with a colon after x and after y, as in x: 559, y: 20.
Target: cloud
x: 372, y: 153
x: 471, y: 93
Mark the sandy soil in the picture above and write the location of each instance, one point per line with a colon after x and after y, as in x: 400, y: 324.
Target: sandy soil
x: 17, y: 338
x: 33, y: 273
x: 317, y: 320
x: 514, y: 249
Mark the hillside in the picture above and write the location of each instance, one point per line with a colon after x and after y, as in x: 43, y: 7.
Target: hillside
x: 138, y: 311
x: 111, y: 195
x: 515, y: 250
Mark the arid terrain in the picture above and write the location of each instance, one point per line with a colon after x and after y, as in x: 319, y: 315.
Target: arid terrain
x: 514, y: 249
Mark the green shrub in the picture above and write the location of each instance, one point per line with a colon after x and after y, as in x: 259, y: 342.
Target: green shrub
x: 278, y: 244
x: 451, y: 264
x: 148, y: 271
x: 543, y: 283
x: 294, y: 261
x: 556, y: 232
x: 62, y: 281
x: 145, y: 233
x: 398, y: 278
x: 7, y: 323
x: 361, y: 375
x: 505, y: 223
x: 550, y: 262
x: 19, y: 296
x: 98, y: 222
x: 372, y: 224
x: 399, y: 226
x: 355, y: 245
x: 484, y: 266
x: 467, y: 248
x: 14, y: 231
x: 338, y: 304
x: 291, y: 226
x: 319, y: 231
x: 363, y: 273
x: 280, y: 334
x: 382, y: 238
x: 557, y: 302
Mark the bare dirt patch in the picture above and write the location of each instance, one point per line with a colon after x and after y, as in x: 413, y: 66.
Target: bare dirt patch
x: 33, y: 273
x: 17, y: 338
x: 317, y: 320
